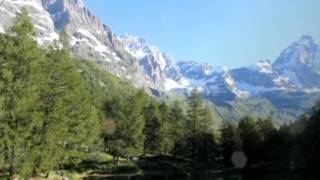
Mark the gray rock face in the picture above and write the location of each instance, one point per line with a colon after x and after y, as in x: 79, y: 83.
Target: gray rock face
x: 41, y: 18
x: 91, y: 39
x: 300, y: 63
x: 195, y: 70
x: 158, y: 66
x: 260, y: 78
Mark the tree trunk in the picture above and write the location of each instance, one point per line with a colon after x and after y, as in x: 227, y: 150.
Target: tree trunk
x: 13, y: 169
x: 13, y: 172
x: 47, y: 175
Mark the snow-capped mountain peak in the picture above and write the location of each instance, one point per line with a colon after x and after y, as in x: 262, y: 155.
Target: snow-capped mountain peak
x: 140, y: 49
x: 158, y: 66
x: 136, y: 45
x: 300, y: 63
x: 306, y: 40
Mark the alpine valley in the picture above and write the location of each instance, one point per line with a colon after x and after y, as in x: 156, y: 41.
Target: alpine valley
x: 283, y: 88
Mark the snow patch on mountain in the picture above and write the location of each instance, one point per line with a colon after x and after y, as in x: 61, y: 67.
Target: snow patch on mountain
x: 139, y: 48
x: 48, y: 38
x: 292, y: 77
x: 263, y: 66
x: 253, y: 90
x: 41, y: 18
x: 171, y: 84
x: 35, y: 4
x: 312, y: 90
x: 91, y: 40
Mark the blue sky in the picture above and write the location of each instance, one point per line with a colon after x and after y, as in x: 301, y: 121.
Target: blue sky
x: 225, y: 32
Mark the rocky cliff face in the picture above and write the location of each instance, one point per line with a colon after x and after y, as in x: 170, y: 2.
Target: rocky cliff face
x: 93, y: 40
x: 157, y: 66
x: 42, y: 20
x: 90, y: 38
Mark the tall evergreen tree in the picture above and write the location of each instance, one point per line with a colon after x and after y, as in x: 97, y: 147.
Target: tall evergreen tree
x: 19, y: 61
x: 309, y: 145
x: 229, y: 141
x: 200, y: 145
x: 152, y: 129
x: 166, y: 143
x: 179, y: 123
x: 135, y: 121
x: 70, y: 123
x: 195, y: 113
x: 128, y: 138
x: 251, y: 139
x: 268, y: 133
x: 206, y: 125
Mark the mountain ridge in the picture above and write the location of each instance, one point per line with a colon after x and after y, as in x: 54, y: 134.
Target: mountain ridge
x: 133, y: 59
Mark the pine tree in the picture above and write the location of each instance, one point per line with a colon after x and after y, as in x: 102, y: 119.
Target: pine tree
x: 178, y: 120
x: 70, y: 122
x: 166, y: 143
x: 151, y: 129
x: 195, y: 113
x: 267, y: 132
x: 19, y: 61
x: 229, y: 141
x: 115, y: 141
x: 200, y: 144
x: 128, y: 137
x: 309, y: 143
x: 135, y: 124
x: 206, y: 125
x: 251, y: 139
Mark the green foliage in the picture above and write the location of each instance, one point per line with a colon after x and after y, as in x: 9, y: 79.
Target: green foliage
x: 195, y: 112
x: 308, y: 143
x: 250, y: 137
x: 199, y: 143
x: 178, y: 120
x: 152, y: 129
x: 166, y: 130
x: 19, y: 59
x: 47, y: 117
x: 229, y: 141
x: 70, y: 121
x: 127, y: 113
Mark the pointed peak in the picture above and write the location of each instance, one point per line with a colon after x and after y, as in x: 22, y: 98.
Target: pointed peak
x: 306, y: 40
x: 306, y: 37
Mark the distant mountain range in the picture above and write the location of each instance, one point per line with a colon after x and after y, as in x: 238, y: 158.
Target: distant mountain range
x: 283, y: 89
